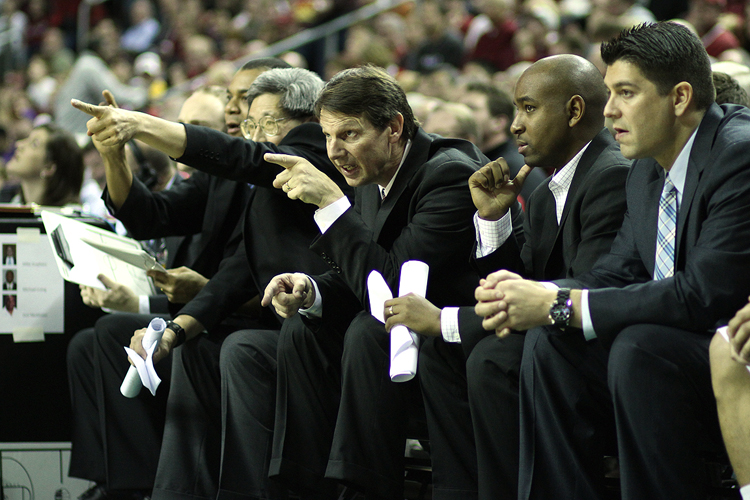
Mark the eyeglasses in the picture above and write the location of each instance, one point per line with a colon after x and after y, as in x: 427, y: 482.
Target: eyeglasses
x: 268, y: 124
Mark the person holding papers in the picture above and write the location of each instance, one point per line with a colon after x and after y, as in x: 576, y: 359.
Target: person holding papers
x: 115, y: 440
x: 339, y: 416
x: 730, y: 374
x: 571, y: 220
x: 217, y: 434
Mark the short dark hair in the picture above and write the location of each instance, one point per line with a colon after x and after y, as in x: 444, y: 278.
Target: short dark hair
x: 64, y: 185
x: 265, y: 62
x: 666, y: 53
x: 728, y: 90
x: 498, y: 101
x: 369, y: 92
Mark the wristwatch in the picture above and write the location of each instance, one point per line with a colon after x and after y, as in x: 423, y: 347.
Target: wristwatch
x: 179, y: 333
x: 561, y: 309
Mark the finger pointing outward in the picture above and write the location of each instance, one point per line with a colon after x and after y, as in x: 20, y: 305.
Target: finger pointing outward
x: 90, y: 109
x: 286, y: 161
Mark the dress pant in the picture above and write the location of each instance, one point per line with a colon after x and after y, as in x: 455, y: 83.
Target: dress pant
x: 338, y: 414
x: 115, y: 440
x: 442, y: 376
x: 493, y: 371
x: 217, y: 438
x: 653, y: 386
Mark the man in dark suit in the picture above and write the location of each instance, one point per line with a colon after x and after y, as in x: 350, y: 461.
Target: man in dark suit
x: 339, y: 416
x: 679, y: 265
x: 571, y: 220
x: 211, y: 371
x: 207, y: 212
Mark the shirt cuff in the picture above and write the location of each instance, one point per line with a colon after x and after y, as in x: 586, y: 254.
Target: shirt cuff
x: 316, y: 309
x: 325, y: 217
x: 144, y: 304
x: 449, y: 325
x: 491, y: 234
x: 586, y: 323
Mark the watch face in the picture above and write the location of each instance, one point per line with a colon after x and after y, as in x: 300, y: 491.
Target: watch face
x: 560, y: 314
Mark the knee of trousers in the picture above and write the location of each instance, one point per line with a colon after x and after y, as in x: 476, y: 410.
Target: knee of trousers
x: 247, y: 350
x: 116, y: 329
x: 641, y: 357
x: 492, y: 358
x: 364, y: 336
x: 81, y: 347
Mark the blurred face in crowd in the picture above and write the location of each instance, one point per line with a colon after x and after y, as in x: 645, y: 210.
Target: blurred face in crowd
x: 236, y: 108
x: 641, y: 118
x: 267, y: 121
x: 203, y: 109
x: 362, y: 153
x: 30, y: 158
x: 541, y: 122
x: 477, y: 101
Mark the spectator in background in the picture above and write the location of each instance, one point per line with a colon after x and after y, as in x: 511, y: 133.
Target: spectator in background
x: 59, y: 57
x: 49, y: 165
x: 91, y: 75
x: 704, y: 16
x: 41, y: 85
x: 452, y: 119
x: 728, y: 90
x: 144, y: 27
x: 489, y: 36
x: 439, y: 45
x: 493, y: 109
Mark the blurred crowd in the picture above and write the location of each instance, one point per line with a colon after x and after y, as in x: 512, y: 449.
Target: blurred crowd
x: 152, y: 53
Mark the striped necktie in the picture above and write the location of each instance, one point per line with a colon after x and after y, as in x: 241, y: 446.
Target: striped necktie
x: 666, y: 232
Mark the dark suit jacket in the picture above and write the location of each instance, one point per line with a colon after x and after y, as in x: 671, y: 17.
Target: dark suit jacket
x: 426, y: 216
x: 593, y: 213
x: 200, y: 205
x: 277, y: 230
x: 712, y: 264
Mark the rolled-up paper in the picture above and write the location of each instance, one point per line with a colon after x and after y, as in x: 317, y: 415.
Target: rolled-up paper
x: 378, y: 292
x: 142, y: 372
x: 404, y: 342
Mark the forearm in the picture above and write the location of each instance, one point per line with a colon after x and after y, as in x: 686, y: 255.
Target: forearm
x: 192, y: 328
x: 119, y: 176
x: 168, y: 137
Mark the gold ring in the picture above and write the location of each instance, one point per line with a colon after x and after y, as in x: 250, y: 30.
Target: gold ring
x: 286, y: 187
x: 390, y: 310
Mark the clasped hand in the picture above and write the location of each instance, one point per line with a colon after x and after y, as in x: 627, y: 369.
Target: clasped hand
x: 508, y: 302
x: 288, y: 293
x: 300, y: 180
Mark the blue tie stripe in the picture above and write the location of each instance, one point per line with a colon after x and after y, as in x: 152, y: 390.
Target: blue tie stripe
x: 666, y: 231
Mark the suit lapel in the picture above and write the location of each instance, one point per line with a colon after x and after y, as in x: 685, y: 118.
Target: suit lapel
x: 696, y: 164
x: 597, y: 145
x: 417, y: 156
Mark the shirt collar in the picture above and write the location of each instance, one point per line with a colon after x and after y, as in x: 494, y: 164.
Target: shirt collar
x: 564, y: 177
x: 678, y: 172
x: 387, y: 189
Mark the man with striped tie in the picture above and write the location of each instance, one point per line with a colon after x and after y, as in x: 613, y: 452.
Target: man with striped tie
x: 639, y: 369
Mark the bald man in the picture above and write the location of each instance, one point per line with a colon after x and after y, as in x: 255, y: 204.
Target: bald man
x: 469, y: 376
